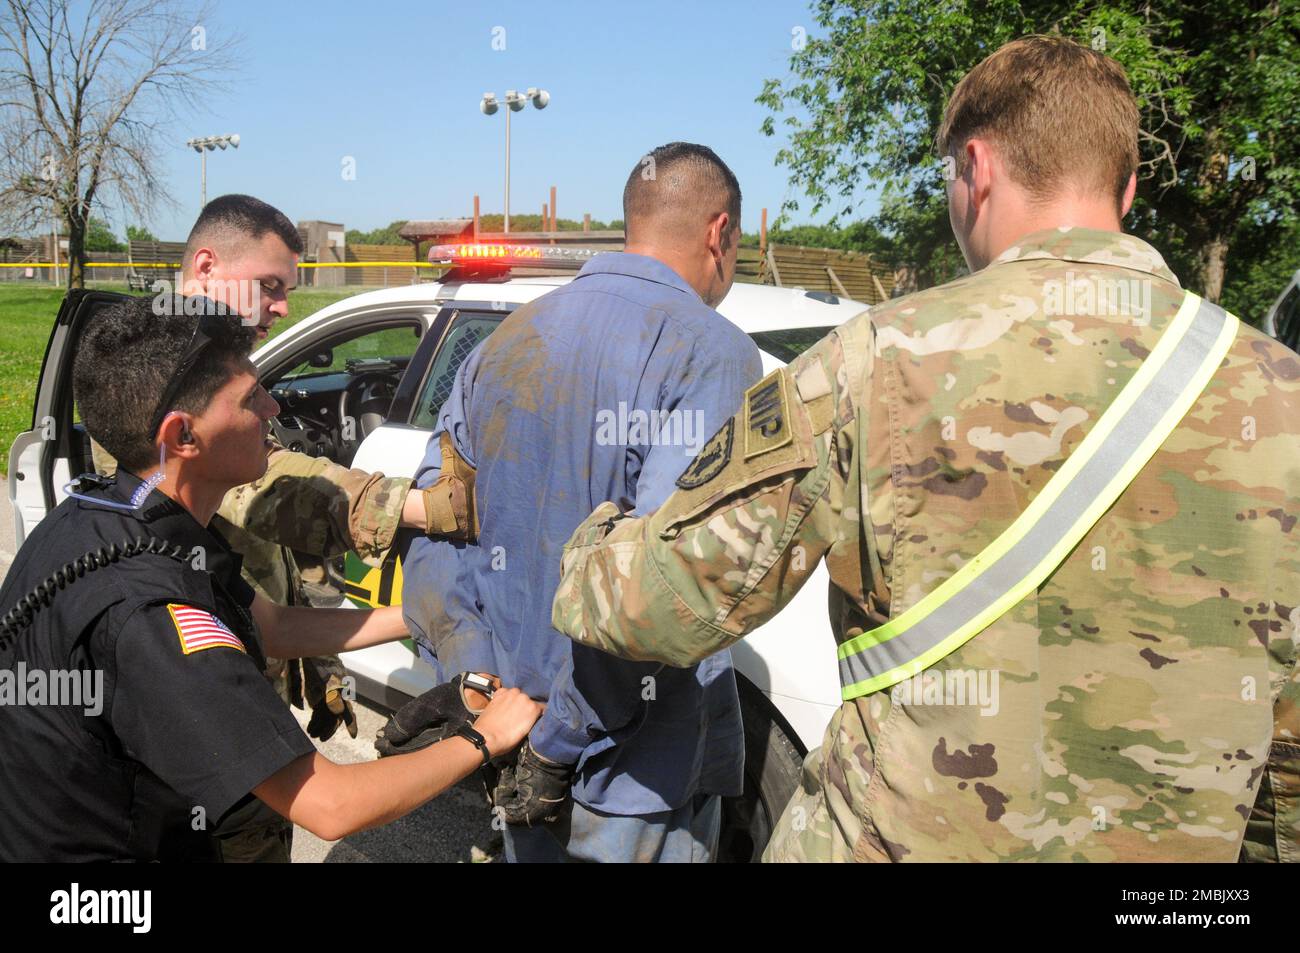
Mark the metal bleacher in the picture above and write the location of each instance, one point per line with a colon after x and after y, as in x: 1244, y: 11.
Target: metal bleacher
x: 147, y: 261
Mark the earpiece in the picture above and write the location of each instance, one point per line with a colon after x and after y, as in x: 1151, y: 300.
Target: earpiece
x: 186, y: 436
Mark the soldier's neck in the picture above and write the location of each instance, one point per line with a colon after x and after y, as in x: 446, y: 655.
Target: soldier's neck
x: 1064, y: 212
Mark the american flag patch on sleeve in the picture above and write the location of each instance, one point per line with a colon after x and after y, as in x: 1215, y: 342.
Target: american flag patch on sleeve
x: 199, y: 629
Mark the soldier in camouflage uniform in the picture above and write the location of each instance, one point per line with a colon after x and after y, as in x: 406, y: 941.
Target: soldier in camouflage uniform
x: 1144, y: 698
x: 309, y: 505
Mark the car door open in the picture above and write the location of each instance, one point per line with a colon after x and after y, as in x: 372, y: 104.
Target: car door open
x: 56, y: 449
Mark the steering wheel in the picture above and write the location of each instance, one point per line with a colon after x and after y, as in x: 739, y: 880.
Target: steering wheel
x: 365, y: 401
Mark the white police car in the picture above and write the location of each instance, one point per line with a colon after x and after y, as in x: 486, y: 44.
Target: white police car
x: 361, y: 382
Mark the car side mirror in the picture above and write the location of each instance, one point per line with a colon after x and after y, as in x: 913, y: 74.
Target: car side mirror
x: 323, y: 359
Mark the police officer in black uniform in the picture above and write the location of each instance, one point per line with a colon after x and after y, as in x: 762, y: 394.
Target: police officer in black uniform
x: 176, y: 739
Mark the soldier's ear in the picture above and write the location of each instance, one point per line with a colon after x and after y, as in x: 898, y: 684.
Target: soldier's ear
x: 982, y: 167
x: 1130, y: 190
x: 201, y: 267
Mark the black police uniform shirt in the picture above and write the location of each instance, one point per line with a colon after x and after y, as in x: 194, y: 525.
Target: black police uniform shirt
x: 189, y: 724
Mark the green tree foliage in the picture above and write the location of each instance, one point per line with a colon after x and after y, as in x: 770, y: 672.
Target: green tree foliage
x: 533, y: 223
x: 1217, y: 87
x: 92, y: 91
x: 377, y: 236
x: 487, y: 223
x: 100, y: 237
x: 138, y: 233
x: 857, y: 236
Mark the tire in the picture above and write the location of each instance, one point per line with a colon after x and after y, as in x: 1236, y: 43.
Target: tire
x: 773, y: 764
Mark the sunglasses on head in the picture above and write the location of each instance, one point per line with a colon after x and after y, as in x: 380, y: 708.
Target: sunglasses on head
x: 206, y: 328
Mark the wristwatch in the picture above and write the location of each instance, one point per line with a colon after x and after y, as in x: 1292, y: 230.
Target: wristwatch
x: 477, y: 740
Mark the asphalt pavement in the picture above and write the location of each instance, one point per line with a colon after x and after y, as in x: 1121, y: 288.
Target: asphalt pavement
x: 454, y: 828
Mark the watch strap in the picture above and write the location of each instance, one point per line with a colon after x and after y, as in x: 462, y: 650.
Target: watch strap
x: 476, y: 739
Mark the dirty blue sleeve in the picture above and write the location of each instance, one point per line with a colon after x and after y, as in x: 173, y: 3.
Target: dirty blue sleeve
x: 701, y: 393
x: 704, y: 385
x: 433, y: 574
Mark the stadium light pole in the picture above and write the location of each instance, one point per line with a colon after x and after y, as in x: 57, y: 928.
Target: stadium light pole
x: 205, y: 145
x: 514, y: 102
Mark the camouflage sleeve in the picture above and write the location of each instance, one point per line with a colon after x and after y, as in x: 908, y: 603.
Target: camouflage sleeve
x: 104, y: 462
x: 313, y: 505
x: 766, y: 498
x: 1273, y: 827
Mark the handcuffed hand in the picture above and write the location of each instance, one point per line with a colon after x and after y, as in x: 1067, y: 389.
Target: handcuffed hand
x: 437, y: 714
x: 533, y: 789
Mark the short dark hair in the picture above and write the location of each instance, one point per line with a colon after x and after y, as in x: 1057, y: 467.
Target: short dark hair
x: 236, y: 217
x: 128, y: 354
x: 682, y: 179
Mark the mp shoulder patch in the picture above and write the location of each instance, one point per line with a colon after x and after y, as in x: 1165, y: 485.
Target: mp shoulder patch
x: 712, y: 458
x: 767, y: 415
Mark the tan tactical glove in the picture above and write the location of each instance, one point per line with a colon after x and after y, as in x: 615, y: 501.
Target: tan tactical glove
x: 449, y: 509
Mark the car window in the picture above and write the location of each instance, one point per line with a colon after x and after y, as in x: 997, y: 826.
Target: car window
x: 395, y: 344
x: 469, y: 330
x: 788, y: 344
x: 466, y: 333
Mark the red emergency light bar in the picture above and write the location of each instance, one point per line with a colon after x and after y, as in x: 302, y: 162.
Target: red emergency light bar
x: 513, y: 256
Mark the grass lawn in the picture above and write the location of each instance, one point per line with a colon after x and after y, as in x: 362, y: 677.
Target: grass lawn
x: 27, y: 313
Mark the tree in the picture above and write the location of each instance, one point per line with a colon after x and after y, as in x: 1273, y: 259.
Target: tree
x: 1220, y: 144
x: 84, y: 91
x: 487, y: 223
x: 138, y: 233
x: 495, y: 221
x: 377, y: 236
x: 100, y: 237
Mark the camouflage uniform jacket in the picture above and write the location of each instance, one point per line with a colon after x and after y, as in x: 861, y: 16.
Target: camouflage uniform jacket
x: 1141, y: 705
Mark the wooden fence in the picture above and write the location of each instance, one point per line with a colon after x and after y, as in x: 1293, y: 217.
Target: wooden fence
x: 383, y: 276
x: 845, y: 273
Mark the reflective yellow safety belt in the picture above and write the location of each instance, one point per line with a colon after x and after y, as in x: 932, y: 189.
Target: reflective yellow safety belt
x: 1016, y: 563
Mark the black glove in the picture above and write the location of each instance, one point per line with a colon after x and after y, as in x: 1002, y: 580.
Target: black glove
x: 320, y: 682
x: 435, y: 715
x: 533, y: 789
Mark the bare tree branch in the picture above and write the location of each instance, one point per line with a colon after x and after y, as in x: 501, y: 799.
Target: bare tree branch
x: 83, y: 105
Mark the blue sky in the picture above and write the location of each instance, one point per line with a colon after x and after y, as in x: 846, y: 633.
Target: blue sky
x: 397, y: 86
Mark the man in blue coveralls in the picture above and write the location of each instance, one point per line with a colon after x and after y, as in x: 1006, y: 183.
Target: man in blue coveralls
x: 605, y: 389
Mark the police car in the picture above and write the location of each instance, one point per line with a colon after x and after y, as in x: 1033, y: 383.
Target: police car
x: 361, y: 382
